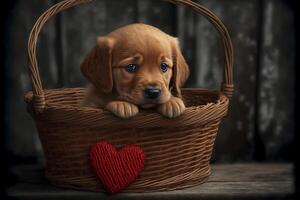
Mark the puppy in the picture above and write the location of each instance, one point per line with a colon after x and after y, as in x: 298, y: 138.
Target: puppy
x: 136, y: 66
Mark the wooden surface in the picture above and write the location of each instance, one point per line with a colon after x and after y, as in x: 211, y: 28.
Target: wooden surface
x: 261, y: 114
x: 231, y: 181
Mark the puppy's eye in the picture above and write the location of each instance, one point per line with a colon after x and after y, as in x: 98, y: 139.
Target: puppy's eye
x: 131, y: 68
x: 164, y: 67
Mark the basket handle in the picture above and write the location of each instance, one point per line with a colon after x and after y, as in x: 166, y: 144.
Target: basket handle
x: 39, y: 100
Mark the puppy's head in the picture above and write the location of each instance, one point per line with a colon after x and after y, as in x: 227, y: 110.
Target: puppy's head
x: 141, y: 63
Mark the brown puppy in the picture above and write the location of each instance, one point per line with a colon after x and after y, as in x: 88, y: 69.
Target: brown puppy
x: 136, y: 66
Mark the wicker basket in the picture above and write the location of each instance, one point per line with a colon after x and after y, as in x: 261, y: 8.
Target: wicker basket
x: 178, y: 151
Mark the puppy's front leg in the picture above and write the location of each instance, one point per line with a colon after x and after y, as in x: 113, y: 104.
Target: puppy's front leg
x: 122, y: 109
x: 172, y: 108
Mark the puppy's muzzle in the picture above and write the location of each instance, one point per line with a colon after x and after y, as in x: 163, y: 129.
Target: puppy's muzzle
x: 152, y: 92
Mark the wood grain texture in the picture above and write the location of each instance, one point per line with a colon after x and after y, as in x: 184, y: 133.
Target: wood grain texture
x: 236, y: 132
x: 22, y: 137
x: 161, y: 15
x: 80, y: 26
x: 120, y: 13
x: 237, y: 181
x: 187, y: 38
x: 277, y: 83
x: 235, y: 137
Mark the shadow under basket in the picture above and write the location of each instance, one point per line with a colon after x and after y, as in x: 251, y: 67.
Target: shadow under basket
x: 177, y: 151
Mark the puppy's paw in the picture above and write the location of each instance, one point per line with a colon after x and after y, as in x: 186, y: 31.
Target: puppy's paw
x: 122, y: 109
x: 172, y: 108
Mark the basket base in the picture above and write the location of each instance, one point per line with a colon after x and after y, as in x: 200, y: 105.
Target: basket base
x: 97, y: 187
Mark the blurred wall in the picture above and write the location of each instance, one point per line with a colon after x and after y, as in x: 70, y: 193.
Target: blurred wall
x: 260, y: 123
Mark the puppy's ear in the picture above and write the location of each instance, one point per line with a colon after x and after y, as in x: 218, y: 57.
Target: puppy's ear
x: 97, y: 68
x: 180, y: 68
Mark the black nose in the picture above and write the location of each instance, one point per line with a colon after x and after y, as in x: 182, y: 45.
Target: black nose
x: 152, y: 92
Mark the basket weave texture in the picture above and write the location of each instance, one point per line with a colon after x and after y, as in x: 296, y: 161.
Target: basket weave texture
x: 178, y: 151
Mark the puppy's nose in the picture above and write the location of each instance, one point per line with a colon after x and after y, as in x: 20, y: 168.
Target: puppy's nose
x: 152, y: 92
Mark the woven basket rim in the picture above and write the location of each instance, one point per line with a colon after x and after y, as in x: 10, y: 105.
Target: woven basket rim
x: 61, y: 113
x: 28, y: 97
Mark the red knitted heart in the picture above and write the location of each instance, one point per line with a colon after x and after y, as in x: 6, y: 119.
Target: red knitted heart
x: 116, y: 169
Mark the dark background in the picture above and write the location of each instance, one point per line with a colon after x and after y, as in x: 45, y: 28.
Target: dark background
x: 261, y: 122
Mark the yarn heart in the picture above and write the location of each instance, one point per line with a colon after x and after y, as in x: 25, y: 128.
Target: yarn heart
x: 116, y: 169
